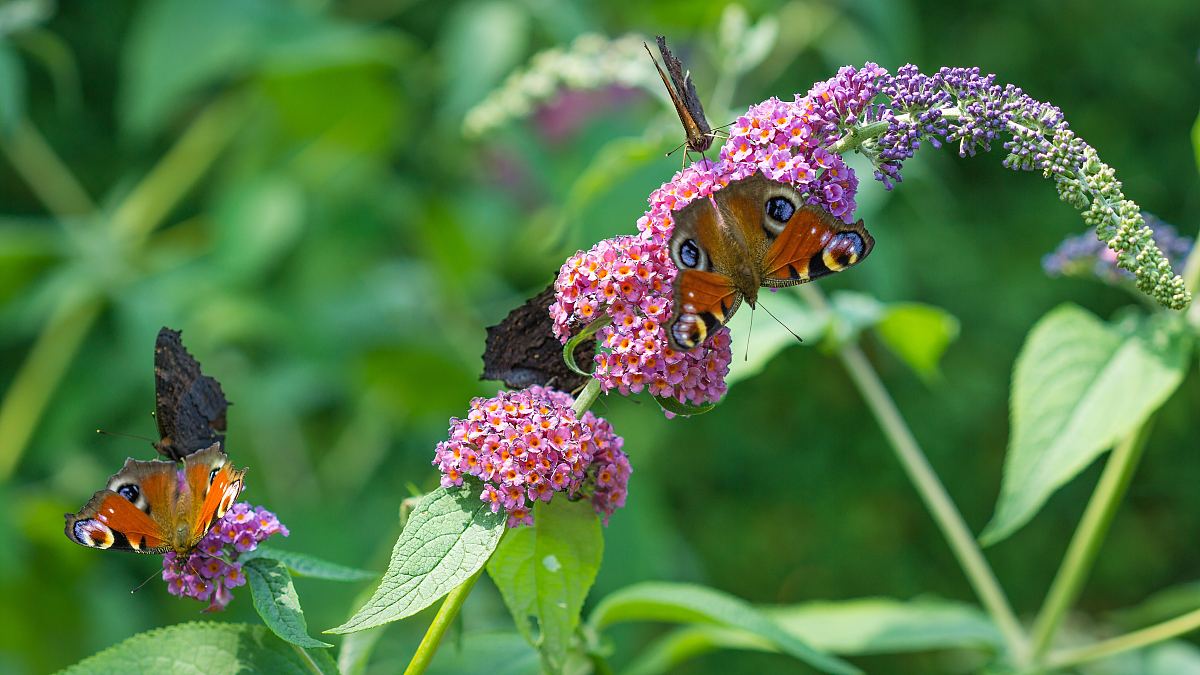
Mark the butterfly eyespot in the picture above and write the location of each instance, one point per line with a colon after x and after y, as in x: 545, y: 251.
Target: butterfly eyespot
x: 689, y: 254
x: 780, y: 209
x: 688, y: 331
x: 129, y: 491
x: 846, y: 249
x: 93, y: 533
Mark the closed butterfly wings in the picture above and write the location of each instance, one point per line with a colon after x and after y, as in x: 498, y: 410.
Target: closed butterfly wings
x: 755, y: 232
x: 189, y: 405
x: 157, y: 506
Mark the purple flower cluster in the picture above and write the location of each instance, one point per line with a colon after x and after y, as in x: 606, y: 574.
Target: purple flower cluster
x: 965, y: 106
x: 957, y: 105
x: 1085, y: 256
x: 628, y: 280
x: 211, y: 571
x: 527, y: 445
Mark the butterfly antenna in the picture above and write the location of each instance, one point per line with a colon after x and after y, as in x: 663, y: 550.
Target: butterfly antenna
x: 749, y: 332
x: 677, y: 150
x: 139, y: 586
x: 103, y: 432
x: 785, y: 326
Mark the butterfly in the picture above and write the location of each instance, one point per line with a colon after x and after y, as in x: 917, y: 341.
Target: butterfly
x: 754, y: 232
x: 189, y: 405
x: 522, y: 350
x: 683, y: 95
x: 158, y: 506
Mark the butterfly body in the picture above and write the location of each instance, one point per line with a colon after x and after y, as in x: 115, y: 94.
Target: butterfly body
x: 158, y: 506
x: 754, y: 233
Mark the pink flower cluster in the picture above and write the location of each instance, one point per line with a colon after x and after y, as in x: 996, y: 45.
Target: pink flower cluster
x: 211, y: 572
x: 629, y: 279
x: 527, y: 445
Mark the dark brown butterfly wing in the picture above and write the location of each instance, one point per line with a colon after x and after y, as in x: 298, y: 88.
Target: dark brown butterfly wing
x: 687, y: 103
x: 522, y: 350
x: 189, y: 405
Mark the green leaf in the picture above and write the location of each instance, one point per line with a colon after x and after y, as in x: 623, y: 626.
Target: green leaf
x: 673, y: 405
x: 576, y: 340
x: 448, y: 538
x: 853, y: 627
x: 918, y: 334
x: 544, y: 573
x: 688, y: 603
x: 276, y: 601
x: 12, y: 88
x: 1161, y: 606
x: 205, y: 647
x: 1079, y: 386
x: 305, y: 565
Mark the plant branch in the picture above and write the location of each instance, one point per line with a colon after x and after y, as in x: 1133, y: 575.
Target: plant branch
x: 1166, y: 630
x: 437, y: 629
x: 37, y: 378
x: 45, y: 173
x: 932, y: 492
x: 188, y: 159
x: 1085, y: 544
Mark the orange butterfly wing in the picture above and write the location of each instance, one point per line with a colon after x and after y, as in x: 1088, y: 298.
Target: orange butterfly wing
x: 211, y: 477
x: 812, y: 245
x: 703, y: 301
x: 110, y: 520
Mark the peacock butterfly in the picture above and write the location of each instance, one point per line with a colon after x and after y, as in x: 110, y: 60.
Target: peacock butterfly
x: 158, y: 506
x: 754, y: 232
x: 683, y: 95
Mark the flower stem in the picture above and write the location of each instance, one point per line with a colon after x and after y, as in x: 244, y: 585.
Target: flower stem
x: 1166, y: 630
x: 1085, y: 544
x: 587, y: 397
x: 445, y: 616
x: 932, y: 492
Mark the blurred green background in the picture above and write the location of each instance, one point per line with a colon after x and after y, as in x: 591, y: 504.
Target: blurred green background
x: 289, y: 184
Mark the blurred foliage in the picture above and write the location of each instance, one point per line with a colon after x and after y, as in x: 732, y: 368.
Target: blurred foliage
x: 288, y: 183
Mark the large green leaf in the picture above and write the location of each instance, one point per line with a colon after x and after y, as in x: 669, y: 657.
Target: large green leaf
x: 448, y: 538
x: 544, y: 573
x: 206, y: 648
x: 689, y: 603
x: 305, y: 565
x: 276, y: 601
x: 1079, y: 386
x: 853, y: 627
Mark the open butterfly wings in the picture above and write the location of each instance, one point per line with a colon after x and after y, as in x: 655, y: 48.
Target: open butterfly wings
x: 189, y: 405
x: 156, y: 506
x: 754, y: 232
